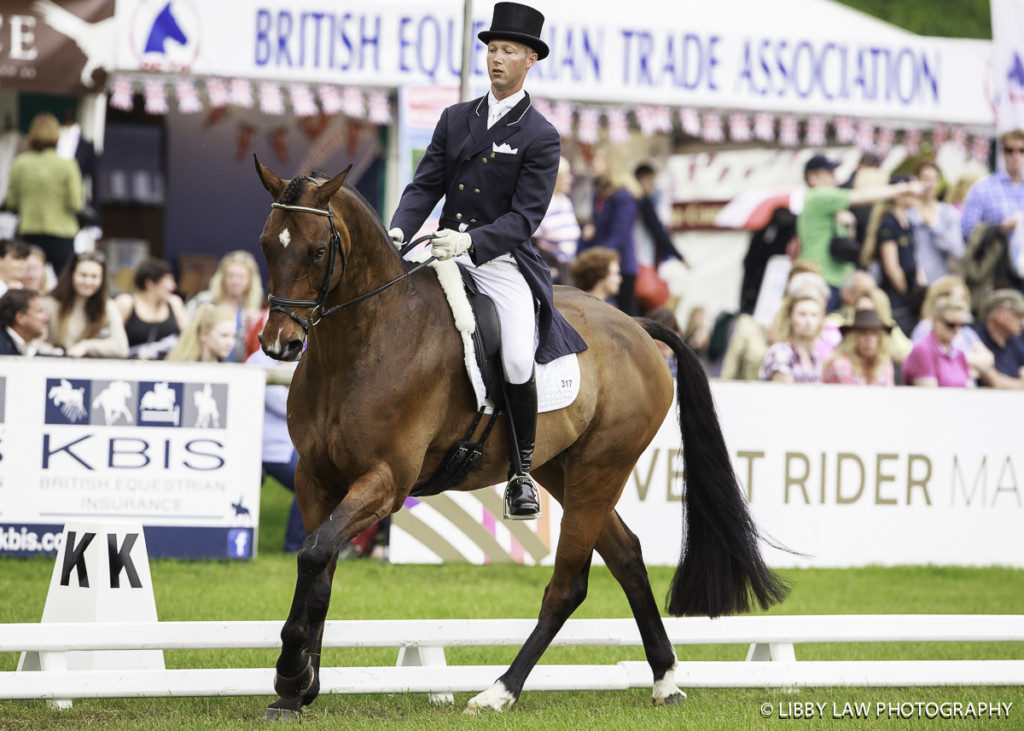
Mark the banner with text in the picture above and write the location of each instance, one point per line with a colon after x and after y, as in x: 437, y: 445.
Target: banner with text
x: 846, y: 475
x: 803, y: 56
x: 175, y: 447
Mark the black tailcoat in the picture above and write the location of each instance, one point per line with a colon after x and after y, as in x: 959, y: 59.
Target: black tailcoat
x: 498, y: 182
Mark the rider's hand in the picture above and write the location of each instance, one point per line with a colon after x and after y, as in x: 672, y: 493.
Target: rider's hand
x: 397, y: 237
x: 447, y: 244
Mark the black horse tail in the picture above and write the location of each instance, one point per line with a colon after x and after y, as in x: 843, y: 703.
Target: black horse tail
x: 720, y: 567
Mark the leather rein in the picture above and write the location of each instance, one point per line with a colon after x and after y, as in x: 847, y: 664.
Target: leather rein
x: 317, y: 313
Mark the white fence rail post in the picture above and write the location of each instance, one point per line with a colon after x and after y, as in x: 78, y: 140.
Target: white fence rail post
x: 414, y: 655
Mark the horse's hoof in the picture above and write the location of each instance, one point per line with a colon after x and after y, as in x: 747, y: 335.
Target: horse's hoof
x: 276, y: 714
x: 496, y: 698
x: 671, y: 700
x: 294, y: 687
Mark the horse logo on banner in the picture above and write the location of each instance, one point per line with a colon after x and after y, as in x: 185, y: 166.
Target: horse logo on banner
x: 67, y: 398
x: 207, y: 412
x: 114, y: 402
x: 159, y: 404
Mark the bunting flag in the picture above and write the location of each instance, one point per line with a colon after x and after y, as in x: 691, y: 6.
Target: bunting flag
x: 912, y: 141
x: 314, y: 125
x: 980, y: 148
x: 764, y: 126
x: 302, y: 100
x: 563, y: 118
x: 618, y: 125
x: 865, y: 135
x: 711, y: 127
x: 279, y: 143
x: 645, y: 120
x: 886, y: 138
x: 271, y: 98
x: 380, y: 107
x: 122, y: 93
x: 816, y: 134
x: 217, y: 90
x: 789, y: 131
x: 352, y: 103
x: 588, y: 126
x: 690, y: 121
x: 845, y: 131
x: 739, y: 127
x: 330, y: 98
x: 188, y: 97
x: 940, y: 133
x: 155, y: 94
x: 241, y: 93
x: 958, y: 138
x: 663, y: 119
x: 244, y: 141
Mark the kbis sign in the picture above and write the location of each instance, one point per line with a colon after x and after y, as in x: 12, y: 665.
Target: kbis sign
x: 139, y: 441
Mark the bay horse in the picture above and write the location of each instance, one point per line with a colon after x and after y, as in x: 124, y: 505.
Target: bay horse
x: 381, y: 393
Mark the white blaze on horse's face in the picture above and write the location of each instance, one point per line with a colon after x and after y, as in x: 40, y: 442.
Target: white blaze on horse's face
x: 285, y: 238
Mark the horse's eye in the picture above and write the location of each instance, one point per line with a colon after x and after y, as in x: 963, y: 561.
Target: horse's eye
x: 320, y: 253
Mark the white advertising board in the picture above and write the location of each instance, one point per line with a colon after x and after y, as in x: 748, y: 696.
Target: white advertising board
x: 804, y: 56
x: 175, y: 447
x: 844, y: 475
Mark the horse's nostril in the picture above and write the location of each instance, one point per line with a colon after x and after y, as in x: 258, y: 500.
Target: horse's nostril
x: 294, y: 345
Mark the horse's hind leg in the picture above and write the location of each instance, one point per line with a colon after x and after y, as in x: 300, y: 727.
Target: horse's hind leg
x: 585, y: 512
x: 620, y: 549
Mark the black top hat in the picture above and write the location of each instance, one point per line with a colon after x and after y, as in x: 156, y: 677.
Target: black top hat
x: 865, y: 320
x: 516, y: 22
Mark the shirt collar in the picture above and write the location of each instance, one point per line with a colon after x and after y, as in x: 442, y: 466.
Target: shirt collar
x: 19, y: 342
x: 497, y: 108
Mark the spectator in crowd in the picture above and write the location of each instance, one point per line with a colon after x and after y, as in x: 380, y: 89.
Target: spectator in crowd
x: 855, y: 286
x: 666, y: 317
x: 998, y: 200
x: 559, y: 231
x: 875, y: 299
x: 967, y: 339
x: 936, y: 225
x: 235, y: 284
x: 596, y: 271
x: 1002, y: 322
x: 654, y: 244
x: 863, y: 355
x: 896, y: 250
x: 825, y: 214
x: 23, y: 322
x: 935, y: 360
x: 37, y: 277
x: 209, y: 338
x: 806, y: 284
x: 793, y: 360
x: 615, y: 214
x: 14, y: 255
x: 153, y: 315
x: 279, y: 456
x: 84, y: 320
x: 45, y: 190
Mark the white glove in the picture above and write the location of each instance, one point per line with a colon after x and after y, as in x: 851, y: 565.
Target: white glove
x: 397, y: 237
x: 448, y: 244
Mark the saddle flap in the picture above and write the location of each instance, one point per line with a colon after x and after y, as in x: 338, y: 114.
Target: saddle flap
x: 486, y: 337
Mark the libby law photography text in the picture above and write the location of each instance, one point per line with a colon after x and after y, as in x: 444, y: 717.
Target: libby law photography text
x: 888, y: 710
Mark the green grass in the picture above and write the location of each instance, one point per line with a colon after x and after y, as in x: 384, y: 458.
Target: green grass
x: 364, y: 590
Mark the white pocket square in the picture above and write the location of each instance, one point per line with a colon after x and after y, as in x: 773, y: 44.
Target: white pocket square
x: 504, y: 148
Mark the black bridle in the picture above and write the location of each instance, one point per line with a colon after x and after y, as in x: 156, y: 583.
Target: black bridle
x: 317, y: 311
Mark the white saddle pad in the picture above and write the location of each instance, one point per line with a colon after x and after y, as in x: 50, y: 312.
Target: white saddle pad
x: 558, y: 382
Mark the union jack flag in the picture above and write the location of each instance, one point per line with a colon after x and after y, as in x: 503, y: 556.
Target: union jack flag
x: 188, y: 97
x: 241, y: 93
x: 302, y: 100
x: 156, y: 96
x: 789, y: 131
x: 645, y: 119
x: 865, y: 135
x: 912, y: 141
x: 816, y: 133
x: 562, y: 118
x: 711, y: 127
x: 122, y: 93
x: 764, y: 126
x: 959, y: 138
x: 352, y: 103
x: 271, y: 99
x: 980, y: 147
x: 886, y: 137
x: 588, y: 126
x: 380, y: 108
x: 217, y: 90
x: 739, y: 127
x: 330, y: 98
x: 618, y: 125
x: 690, y: 121
x: 845, y: 131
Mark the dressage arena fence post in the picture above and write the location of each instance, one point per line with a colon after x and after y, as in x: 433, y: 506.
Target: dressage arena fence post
x: 422, y: 666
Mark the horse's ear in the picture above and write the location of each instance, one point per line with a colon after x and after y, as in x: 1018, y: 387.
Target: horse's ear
x: 271, y: 180
x: 326, y: 191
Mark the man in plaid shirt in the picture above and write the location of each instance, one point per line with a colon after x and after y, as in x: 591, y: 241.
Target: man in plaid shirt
x: 998, y: 200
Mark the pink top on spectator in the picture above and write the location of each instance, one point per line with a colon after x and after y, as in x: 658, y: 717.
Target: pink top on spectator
x: 929, y: 360
x: 840, y: 370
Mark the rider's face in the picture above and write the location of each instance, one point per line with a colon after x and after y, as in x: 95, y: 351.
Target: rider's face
x: 507, y: 64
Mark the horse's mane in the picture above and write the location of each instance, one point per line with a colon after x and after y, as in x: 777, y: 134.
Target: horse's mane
x: 293, y: 191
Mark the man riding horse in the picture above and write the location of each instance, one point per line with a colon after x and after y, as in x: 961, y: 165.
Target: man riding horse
x: 495, y: 160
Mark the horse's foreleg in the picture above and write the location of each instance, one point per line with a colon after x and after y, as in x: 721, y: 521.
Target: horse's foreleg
x: 620, y: 549
x: 369, y: 499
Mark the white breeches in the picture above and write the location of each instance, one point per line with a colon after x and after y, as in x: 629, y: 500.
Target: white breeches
x: 501, y: 280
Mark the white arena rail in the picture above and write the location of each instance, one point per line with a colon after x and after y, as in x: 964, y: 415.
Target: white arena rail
x: 422, y: 666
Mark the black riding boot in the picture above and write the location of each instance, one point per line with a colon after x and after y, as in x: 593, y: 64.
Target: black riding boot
x: 522, y: 501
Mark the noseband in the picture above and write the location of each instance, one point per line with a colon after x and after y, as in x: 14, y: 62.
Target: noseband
x: 317, y: 313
